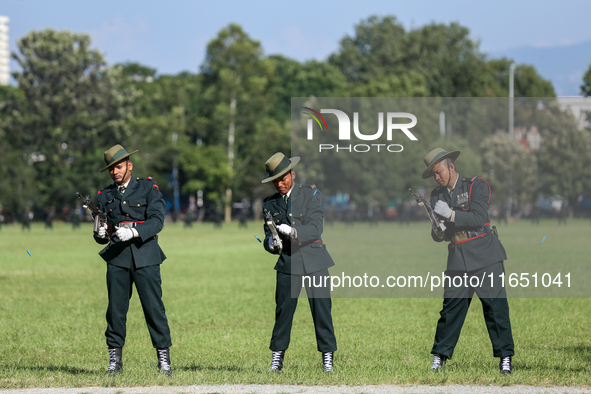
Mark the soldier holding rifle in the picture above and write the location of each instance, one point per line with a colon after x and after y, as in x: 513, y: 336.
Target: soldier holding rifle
x: 461, y: 207
x: 134, y: 210
x: 293, y: 229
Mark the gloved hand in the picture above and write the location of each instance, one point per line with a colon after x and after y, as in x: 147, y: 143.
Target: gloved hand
x: 124, y: 233
x: 287, y: 230
x: 102, y: 231
x: 441, y: 208
x: 441, y: 226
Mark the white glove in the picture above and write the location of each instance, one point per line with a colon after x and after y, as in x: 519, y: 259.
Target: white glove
x: 287, y: 230
x: 102, y: 231
x: 124, y: 234
x: 441, y: 226
x: 441, y: 208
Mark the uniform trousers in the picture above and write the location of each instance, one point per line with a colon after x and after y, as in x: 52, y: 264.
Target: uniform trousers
x: 494, y: 306
x: 286, y: 299
x: 149, y: 288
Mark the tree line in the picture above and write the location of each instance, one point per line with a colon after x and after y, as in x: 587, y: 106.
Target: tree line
x: 211, y: 130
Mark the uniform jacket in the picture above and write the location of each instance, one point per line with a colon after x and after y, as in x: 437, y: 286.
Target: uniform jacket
x: 142, y: 202
x: 304, y: 212
x: 469, y: 200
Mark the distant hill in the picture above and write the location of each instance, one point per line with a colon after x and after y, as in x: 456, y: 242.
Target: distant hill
x: 564, y: 66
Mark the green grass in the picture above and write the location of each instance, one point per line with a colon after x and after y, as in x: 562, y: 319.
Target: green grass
x: 219, y: 293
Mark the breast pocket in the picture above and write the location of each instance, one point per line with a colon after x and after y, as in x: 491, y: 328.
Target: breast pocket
x: 112, y: 207
x: 138, y: 208
x: 299, y: 216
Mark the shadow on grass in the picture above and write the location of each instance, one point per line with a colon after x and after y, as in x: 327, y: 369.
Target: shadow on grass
x: 580, y: 352
x: 49, y: 368
x: 222, y: 368
x: 557, y: 368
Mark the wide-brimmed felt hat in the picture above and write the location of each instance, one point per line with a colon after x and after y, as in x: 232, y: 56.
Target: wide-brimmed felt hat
x: 114, y: 155
x: 277, y: 165
x: 434, y: 157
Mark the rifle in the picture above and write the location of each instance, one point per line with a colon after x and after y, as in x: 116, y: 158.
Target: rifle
x: 273, y: 228
x: 99, y: 217
x: 426, y: 207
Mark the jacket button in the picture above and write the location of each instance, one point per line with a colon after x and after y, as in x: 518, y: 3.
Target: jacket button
x: 126, y: 214
x: 138, y: 205
x: 290, y: 214
x: 124, y: 202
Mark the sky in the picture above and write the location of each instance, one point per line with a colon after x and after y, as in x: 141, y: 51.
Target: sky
x: 172, y: 36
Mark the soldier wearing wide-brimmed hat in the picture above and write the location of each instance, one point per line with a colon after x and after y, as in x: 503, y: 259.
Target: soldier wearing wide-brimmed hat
x: 297, y: 213
x: 135, y: 210
x: 473, y: 250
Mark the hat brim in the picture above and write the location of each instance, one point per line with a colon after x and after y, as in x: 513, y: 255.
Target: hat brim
x: 118, y: 160
x: 292, y: 163
x: 428, y: 173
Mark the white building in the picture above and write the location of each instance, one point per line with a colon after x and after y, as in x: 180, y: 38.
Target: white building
x: 4, y: 52
x: 578, y: 106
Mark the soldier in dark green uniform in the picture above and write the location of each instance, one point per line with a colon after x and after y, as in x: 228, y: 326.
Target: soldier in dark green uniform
x: 297, y: 213
x: 135, y: 210
x: 462, y: 205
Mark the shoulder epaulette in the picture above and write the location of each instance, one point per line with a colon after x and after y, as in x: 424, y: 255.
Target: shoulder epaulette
x: 308, y: 186
x: 145, y: 178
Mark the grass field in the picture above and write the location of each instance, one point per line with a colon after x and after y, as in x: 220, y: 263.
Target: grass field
x: 219, y: 294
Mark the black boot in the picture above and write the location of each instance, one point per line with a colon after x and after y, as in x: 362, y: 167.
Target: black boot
x: 116, y: 364
x: 438, y: 363
x: 506, y: 366
x: 277, y: 361
x: 327, y: 361
x: 164, y: 361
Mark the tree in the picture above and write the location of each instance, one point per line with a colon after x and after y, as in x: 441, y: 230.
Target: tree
x: 168, y: 121
x: 586, y: 86
x: 510, y: 169
x: 237, y: 82
x: 448, y: 60
x: 73, y: 109
x: 378, y: 47
x: 563, y: 158
x: 527, y: 81
x: 294, y: 79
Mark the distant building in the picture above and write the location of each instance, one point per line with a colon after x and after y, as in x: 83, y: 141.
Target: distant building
x: 4, y: 52
x: 579, y: 107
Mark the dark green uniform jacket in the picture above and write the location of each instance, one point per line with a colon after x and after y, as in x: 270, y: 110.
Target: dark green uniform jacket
x: 305, y: 213
x: 142, y: 202
x: 469, y: 200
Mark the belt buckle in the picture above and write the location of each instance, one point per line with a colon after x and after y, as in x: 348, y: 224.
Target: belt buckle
x: 461, y: 236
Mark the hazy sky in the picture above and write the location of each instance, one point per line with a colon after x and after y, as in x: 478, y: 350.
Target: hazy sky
x: 171, y: 36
